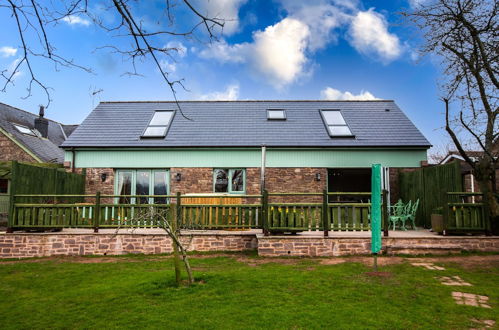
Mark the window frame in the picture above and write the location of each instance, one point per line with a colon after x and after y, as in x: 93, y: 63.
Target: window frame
x: 352, y: 135
x: 230, y: 176
x: 167, y: 126
x: 18, y: 127
x: 152, y: 171
x: 277, y: 119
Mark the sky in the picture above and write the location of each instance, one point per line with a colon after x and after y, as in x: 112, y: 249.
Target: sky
x: 280, y: 49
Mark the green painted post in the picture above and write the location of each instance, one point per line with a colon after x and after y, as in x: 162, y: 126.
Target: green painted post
x: 386, y: 216
x: 97, y: 212
x: 265, y: 212
x: 325, y: 213
x: 178, y: 216
x: 13, y: 185
x: 376, y: 208
x: 445, y: 213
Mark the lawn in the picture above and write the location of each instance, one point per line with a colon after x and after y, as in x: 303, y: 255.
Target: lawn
x: 243, y: 291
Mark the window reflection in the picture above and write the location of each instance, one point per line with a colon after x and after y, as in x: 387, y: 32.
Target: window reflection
x: 222, y: 181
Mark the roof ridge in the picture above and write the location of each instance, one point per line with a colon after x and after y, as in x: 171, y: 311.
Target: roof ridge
x: 31, y: 113
x: 235, y: 101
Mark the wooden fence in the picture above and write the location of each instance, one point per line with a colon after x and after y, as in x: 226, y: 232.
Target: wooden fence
x: 430, y: 185
x: 272, y: 217
x: 463, y: 216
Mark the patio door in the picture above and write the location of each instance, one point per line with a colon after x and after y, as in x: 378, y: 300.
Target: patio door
x: 142, y: 182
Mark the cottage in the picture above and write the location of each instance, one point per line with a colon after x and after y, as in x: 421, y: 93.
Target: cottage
x: 237, y: 147
x: 29, y: 138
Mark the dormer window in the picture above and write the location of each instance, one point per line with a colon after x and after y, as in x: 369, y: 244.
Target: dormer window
x: 335, y: 123
x: 276, y: 114
x: 159, y: 124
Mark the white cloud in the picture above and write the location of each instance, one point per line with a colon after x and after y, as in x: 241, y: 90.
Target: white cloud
x: 322, y: 18
x: 231, y: 93
x: 417, y: 3
x: 282, y: 52
x: 12, y: 69
x: 278, y: 52
x: 369, y: 35
x: 181, y: 50
x: 76, y: 20
x: 223, y: 9
x: 225, y: 53
x: 333, y: 94
x: 7, y: 51
x: 168, y: 66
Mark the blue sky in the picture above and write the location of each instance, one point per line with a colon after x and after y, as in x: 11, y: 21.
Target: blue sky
x: 282, y: 49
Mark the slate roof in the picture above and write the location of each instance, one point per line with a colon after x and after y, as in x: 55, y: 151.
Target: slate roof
x: 245, y: 124
x: 46, y: 149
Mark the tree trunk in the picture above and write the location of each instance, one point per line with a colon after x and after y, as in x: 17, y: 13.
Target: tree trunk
x: 176, y: 263
x: 485, y: 173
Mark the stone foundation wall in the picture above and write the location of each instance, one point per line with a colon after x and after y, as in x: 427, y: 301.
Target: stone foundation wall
x: 45, y: 244
x: 269, y: 246
x: 20, y: 245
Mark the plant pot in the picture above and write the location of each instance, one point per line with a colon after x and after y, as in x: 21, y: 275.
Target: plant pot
x: 437, y: 223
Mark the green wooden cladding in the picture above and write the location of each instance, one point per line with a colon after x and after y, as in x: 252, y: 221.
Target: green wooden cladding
x: 430, y: 185
x: 244, y: 158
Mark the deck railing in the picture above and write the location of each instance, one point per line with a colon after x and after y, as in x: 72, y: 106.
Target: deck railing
x: 465, y: 212
x: 271, y: 211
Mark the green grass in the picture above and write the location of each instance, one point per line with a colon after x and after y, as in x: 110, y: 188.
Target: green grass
x: 139, y: 292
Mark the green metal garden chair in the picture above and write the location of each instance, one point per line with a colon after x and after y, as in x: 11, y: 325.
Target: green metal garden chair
x: 411, y: 215
x: 397, y: 213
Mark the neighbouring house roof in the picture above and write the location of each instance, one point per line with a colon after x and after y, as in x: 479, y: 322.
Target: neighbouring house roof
x: 245, y: 124
x: 46, y: 149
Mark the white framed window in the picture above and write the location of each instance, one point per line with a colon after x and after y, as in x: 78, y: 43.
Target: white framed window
x: 142, y: 182
x: 159, y: 124
x: 335, y: 123
x: 276, y: 114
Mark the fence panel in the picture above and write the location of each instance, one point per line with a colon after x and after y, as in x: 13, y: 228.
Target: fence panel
x: 429, y: 185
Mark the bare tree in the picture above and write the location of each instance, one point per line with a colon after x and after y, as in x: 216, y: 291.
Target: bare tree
x: 465, y: 35
x: 167, y: 218
x: 33, y: 18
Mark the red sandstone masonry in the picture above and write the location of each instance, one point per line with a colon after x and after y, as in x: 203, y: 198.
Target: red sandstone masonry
x: 275, y: 246
x: 50, y: 244
x: 11, y: 151
x: 22, y: 245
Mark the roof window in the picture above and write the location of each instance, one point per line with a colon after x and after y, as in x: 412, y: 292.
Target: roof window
x: 276, y: 114
x: 159, y: 124
x: 335, y: 123
x: 26, y: 130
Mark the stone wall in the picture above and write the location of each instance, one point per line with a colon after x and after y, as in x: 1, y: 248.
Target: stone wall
x: 23, y: 245
x: 193, y: 180
x: 272, y: 246
x: 11, y: 151
x: 53, y: 244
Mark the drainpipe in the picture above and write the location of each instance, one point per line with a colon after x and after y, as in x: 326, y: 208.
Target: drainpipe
x: 262, y: 171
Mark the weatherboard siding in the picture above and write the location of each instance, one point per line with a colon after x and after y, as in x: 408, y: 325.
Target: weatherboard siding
x: 245, y: 158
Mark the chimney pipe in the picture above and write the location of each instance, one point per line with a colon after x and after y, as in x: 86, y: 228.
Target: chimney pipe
x: 42, y: 124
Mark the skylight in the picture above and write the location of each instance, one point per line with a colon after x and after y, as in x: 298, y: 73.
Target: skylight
x: 25, y: 130
x: 335, y: 123
x: 159, y: 123
x: 276, y: 114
